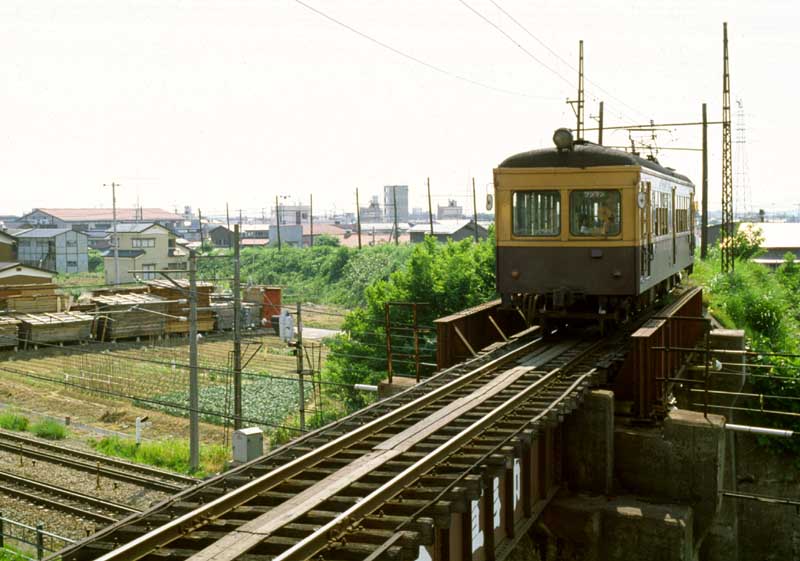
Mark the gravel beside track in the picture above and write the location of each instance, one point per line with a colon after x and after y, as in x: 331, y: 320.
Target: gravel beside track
x: 81, y: 482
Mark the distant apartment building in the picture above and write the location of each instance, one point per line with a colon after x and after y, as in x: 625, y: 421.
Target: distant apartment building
x: 373, y: 212
x: 146, y: 248
x: 392, y: 193
x: 453, y: 211
x: 54, y: 249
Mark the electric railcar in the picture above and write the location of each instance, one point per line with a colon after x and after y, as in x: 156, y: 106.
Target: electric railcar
x: 588, y: 231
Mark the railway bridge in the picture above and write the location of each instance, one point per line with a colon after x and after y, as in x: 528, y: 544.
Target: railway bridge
x: 463, y: 465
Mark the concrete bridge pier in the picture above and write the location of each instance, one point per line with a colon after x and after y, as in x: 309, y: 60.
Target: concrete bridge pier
x: 634, y: 492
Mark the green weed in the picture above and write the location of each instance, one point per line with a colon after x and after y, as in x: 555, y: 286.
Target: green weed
x: 172, y: 454
x: 13, y: 421
x: 51, y: 430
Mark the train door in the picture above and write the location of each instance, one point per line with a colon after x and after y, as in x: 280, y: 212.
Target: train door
x: 674, y: 229
x: 644, y: 203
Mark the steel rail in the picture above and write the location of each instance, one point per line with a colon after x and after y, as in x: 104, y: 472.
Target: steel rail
x: 31, y: 490
x: 180, y: 481
x: 288, y: 450
x: 320, y: 538
x: 81, y: 465
x: 67, y: 494
x: 181, y: 525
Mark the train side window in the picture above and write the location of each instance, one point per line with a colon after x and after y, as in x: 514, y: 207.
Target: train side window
x: 595, y: 213
x: 536, y: 213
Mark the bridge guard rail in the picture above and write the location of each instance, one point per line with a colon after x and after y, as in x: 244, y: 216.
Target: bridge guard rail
x: 460, y: 335
x: 650, y: 368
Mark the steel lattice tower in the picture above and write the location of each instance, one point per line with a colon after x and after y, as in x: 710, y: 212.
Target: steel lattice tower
x: 726, y: 231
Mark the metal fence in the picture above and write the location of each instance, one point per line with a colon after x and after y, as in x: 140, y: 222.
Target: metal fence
x: 29, y: 540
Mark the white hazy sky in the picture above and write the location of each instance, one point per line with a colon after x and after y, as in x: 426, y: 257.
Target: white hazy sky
x: 212, y: 101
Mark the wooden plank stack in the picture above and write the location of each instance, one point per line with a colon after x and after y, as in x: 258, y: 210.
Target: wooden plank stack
x: 8, y: 331
x: 32, y: 298
x: 54, y: 327
x: 178, y: 306
x: 129, y: 315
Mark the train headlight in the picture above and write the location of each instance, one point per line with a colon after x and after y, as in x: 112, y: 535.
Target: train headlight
x: 562, y: 138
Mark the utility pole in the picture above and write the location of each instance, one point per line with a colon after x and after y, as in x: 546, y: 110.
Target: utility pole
x: 194, y: 399
x: 430, y: 206
x: 278, y: 220
x: 394, y: 204
x: 600, y: 126
x: 200, y: 224
x: 228, y: 220
x: 237, y: 333
x: 114, y: 186
x: 299, y: 348
x: 704, y: 212
x: 726, y: 232
x: 474, y: 211
x: 358, y: 219
x: 311, y: 217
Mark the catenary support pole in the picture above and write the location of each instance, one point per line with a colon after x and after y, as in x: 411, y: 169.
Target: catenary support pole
x: 237, y: 332
x: 600, y: 125
x: 301, y: 385
x: 311, y: 217
x: 194, y: 401
x: 200, y: 228
x: 704, y: 212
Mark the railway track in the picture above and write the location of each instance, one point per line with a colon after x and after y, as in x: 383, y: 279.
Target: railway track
x: 345, y: 490
x: 88, y: 462
x: 63, y: 500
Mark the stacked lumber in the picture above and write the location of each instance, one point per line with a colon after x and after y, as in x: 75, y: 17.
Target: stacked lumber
x: 178, y: 304
x: 129, y: 314
x: 8, y: 331
x: 223, y: 310
x: 54, y: 328
x: 32, y: 298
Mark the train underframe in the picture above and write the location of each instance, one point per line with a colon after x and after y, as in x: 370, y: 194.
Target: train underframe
x: 561, y: 307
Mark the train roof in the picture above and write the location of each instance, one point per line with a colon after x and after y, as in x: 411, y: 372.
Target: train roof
x: 584, y: 154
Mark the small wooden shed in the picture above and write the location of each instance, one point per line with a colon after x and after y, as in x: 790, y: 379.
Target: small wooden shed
x: 54, y: 328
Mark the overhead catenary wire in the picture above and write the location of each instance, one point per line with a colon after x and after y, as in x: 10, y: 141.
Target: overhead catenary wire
x: 411, y: 57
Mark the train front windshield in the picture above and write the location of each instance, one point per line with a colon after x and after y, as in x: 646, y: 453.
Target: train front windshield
x: 595, y: 213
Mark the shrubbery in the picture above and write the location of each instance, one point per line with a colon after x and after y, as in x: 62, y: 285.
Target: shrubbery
x: 766, y: 305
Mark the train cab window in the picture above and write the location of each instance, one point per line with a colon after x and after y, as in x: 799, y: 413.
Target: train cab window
x: 536, y: 213
x: 595, y: 213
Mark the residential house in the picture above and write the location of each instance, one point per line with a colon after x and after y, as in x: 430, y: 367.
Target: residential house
x: 219, y: 235
x: 98, y: 219
x: 456, y: 230
x: 8, y: 247
x: 146, y: 248
x: 55, y: 249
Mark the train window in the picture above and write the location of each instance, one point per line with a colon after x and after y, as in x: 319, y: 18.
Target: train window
x: 595, y: 213
x: 536, y: 213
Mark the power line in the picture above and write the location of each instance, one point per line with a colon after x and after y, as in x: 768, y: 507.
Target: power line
x: 510, y: 38
x: 555, y: 54
x: 412, y: 58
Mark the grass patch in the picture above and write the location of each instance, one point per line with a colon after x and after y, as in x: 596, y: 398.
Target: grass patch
x: 49, y: 429
x: 9, y: 555
x: 172, y: 454
x: 13, y: 421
